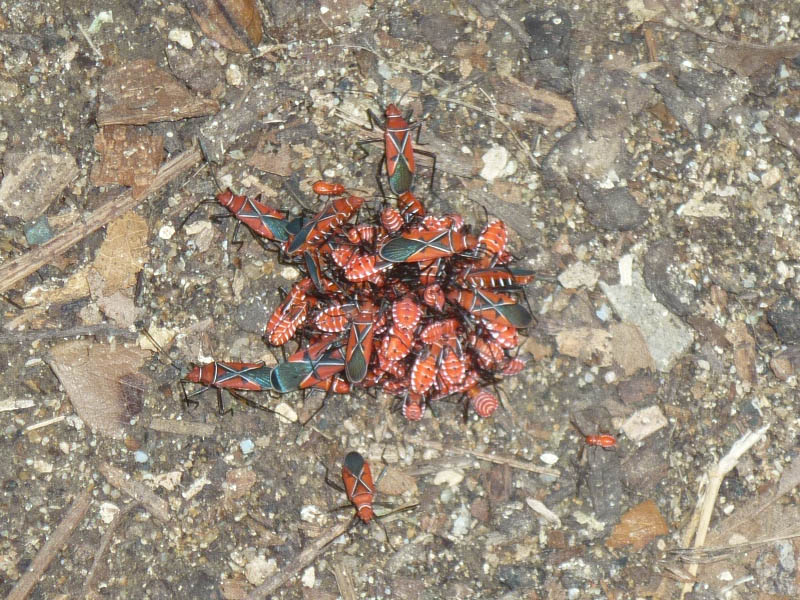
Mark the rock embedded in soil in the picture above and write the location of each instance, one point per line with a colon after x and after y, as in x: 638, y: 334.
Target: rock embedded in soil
x: 549, y: 29
x: 667, y: 336
x: 664, y: 275
x: 784, y: 316
x: 613, y: 210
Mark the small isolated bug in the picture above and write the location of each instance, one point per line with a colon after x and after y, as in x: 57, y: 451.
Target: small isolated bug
x: 361, y: 489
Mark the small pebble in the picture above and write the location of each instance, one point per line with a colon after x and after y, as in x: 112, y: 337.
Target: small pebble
x: 182, y: 37
x: 495, y: 161
x: 246, y: 446
x: 549, y: 458
x: 258, y: 569
x: 449, y: 477
x: 140, y: 456
x: 166, y: 232
x: 309, y: 577
x: 287, y: 412
x: 233, y: 75
x: 108, y: 510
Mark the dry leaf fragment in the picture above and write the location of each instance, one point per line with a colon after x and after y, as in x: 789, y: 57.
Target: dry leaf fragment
x: 533, y: 104
x: 122, y: 254
x: 396, y: 482
x: 140, y: 92
x: 277, y: 163
x: 130, y: 156
x: 102, y: 382
x: 233, y: 24
x: 638, y: 527
x: 587, y: 344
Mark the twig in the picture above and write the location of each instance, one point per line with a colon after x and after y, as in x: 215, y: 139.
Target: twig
x: 15, y: 270
x: 343, y: 581
x: 181, y: 427
x: 105, y: 542
x: 22, y: 337
x: 14, y: 404
x: 500, y: 460
x: 52, y: 546
x: 45, y: 423
x: 156, y: 506
x: 95, y: 49
x: 714, y: 479
x: 300, y: 562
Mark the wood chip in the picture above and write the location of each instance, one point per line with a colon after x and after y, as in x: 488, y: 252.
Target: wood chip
x: 130, y: 156
x: 638, y: 527
x: 182, y: 427
x: 233, y: 24
x: 139, y: 93
x: 122, y: 254
x: 32, y: 181
x: 532, y: 104
x: 155, y: 505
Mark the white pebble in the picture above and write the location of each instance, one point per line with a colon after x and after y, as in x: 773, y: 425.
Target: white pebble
x: 246, y: 446
x: 290, y: 273
x: 310, y: 513
x: 166, y: 232
x: 287, y: 412
x: 450, y: 477
x: 258, y: 569
x: 233, y: 75
x: 108, y: 510
x: 182, y: 37
x: 140, y: 456
x: 309, y: 577
x: 461, y: 522
x: 494, y: 163
x: 549, y: 458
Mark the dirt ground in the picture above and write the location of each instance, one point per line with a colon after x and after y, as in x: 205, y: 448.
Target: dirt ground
x: 644, y: 155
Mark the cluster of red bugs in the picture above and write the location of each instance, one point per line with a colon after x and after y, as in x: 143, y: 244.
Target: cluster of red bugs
x: 391, y: 297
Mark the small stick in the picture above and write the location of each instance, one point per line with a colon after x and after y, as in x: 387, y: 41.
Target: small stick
x: 181, y: 427
x: 95, y: 49
x: 500, y: 460
x: 14, y: 404
x: 343, y: 581
x: 15, y: 270
x: 21, y: 337
x: 300, y: 562
x: 45, y: 423
x: 52, y: 546
x: 156, y: 506
x: 105, y: 542
x: 714, y: 477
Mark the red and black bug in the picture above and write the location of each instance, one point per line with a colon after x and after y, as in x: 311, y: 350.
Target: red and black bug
x: 324, y: 223
x: 262, y: 219
x: 427, y: 245
x: 359, y: 343
x: 398, y: 152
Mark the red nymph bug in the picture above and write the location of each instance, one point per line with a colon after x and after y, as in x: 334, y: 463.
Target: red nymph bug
x: 604, y: 440
x: 328, y: 188
x: 291, y: 313
x: 324, y: 223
